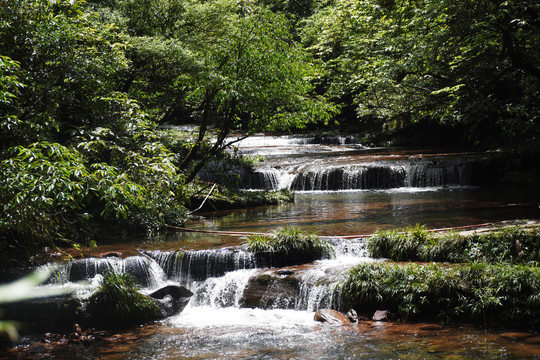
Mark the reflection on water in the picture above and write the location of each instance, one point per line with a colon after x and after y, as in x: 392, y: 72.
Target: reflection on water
x: 362, y: 212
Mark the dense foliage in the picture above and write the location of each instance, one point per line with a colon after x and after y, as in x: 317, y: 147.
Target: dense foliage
x: 496, y: 280
x: 492, y: 294
x: 512, y: 244
x: 470, y: 65
x: 84, y: 85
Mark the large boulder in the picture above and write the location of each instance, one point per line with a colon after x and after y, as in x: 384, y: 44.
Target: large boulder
x: 270, y: 290
x: 58, y: 314
x: 45, y: 314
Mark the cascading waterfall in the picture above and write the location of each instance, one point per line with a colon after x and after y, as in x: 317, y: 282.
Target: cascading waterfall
x: 220, y: 292
x: 218, y: 278
x: 360, y: 177
x: 197, y: 265
x: 144, y: 270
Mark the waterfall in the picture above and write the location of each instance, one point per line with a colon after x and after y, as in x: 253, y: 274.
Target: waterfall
x: 389, y: 175
x: 196, y: 265
x: 231, y: 277
x: 220, y: 292
x: 145, y: 271
x: 221, y: 278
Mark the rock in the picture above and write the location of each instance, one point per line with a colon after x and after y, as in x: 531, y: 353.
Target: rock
x: 116, y: 254
x: 45, y: 314
x: 332, y: 317
x: 285, y: 272
x: 172, y: 299
x: 268, y: 290
x: 352, y: 316
x: 383, y: 315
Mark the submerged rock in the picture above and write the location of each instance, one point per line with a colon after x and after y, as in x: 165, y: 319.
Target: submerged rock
x: 332, y: 317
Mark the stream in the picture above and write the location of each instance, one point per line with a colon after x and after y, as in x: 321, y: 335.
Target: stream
x: 341, y: 188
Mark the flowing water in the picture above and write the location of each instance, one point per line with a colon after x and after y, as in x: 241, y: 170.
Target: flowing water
x: 340, y: 189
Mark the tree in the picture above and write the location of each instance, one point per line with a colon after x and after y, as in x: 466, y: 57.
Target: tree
x: 472, y: 64
x: 81, y: 156
x: 252, y: 77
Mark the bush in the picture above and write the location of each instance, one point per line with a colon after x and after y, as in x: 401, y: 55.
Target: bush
x: 118, y: 304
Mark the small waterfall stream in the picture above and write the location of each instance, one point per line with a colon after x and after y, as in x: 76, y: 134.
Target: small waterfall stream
x: 332, y: 164
x: 221, y: 278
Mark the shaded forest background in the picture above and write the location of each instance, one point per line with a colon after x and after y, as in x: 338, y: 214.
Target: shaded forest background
x: 85, y: 86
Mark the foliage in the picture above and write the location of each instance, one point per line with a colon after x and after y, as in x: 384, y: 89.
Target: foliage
x: 513, y: 244
x: 472, y: 64
x: 50, y: 194
x: 221, y: 64
x: 117, y: 302
x: 79, y: 155
x: 68, y: 62
x: 493, y: 294
x: 287, y: 240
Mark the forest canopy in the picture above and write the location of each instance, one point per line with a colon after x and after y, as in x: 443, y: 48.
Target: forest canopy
x: 85, y: 84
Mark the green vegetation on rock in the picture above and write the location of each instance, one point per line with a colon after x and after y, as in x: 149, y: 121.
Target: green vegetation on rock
x: 287, y: 240
x: 486, y: 293
x: 288, y: 246
x: 118, y: 304
x: 514, y: 244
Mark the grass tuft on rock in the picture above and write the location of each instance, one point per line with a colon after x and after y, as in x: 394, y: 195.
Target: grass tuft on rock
x: 286, y: 240
x: 118, y: 304
x: 288, y: 246
x: 493, y: 294
x: 512, y: 245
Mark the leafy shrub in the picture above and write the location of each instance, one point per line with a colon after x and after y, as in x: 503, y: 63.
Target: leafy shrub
x: 117, y: 302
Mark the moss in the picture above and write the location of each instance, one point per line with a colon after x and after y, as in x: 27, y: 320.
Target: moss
x: 263, y: 280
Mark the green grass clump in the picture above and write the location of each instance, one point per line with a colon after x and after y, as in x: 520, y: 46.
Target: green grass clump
x: 288, y: 246
x: 489, y: 293
x: 117, y: 303
x: 514, y: 245
x: 287, y: 240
